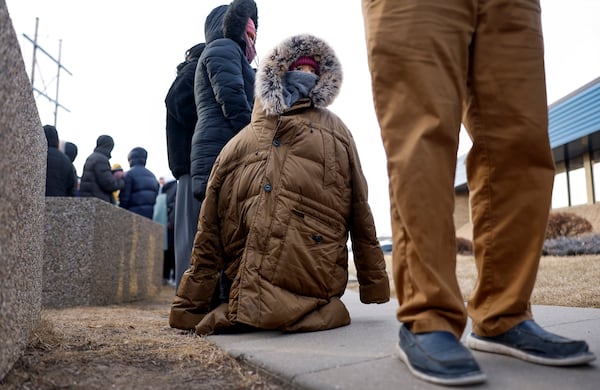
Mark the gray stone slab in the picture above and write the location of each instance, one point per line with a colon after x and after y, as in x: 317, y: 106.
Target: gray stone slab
x: 96, y: 253
x: 23, y: 150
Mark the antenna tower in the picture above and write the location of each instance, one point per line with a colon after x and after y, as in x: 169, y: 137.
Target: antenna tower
x: 60, y: 67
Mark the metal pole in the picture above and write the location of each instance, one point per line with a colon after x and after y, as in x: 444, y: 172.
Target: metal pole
x: 35, y: 46
x: 57, y: 81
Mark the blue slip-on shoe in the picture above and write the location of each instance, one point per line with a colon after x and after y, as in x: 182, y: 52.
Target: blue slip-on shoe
x: 529, y: 342
x: 438, y: 357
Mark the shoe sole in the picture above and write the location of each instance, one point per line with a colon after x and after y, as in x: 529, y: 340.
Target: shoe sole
x: 467, y: 380
x: 493, y: 347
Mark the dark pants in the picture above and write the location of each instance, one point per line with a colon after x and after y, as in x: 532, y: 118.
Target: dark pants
x: 187, y: 209
x: 169, y: 255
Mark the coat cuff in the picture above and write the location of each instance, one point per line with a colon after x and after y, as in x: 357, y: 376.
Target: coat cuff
x: 182, y: 319
x: 375, y: 293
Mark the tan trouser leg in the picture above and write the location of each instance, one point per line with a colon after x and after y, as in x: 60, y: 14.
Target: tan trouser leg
x: 422, y: 56
x: 510, y: 167
x: 418, y: 55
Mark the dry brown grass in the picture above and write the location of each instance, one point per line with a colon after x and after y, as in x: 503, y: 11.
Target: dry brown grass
x: 132, y: 347
x: 125, y: 347
x: 561, y: 281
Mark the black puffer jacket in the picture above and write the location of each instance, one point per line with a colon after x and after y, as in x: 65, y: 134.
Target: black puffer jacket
x: 141, y: 186
x: 71, y: 152
x: 60, y: 177
x: 97, y: 179
x: 181, y: 113
x: 224, y: 87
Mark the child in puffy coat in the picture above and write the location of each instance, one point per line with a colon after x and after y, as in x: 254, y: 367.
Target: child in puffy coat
x: 281, y: 201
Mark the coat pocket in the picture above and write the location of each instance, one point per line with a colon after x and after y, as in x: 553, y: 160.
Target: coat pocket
x: 309, y: 255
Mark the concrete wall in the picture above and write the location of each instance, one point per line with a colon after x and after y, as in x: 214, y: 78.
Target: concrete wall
x: 23, y: 167
x: 96, y: 253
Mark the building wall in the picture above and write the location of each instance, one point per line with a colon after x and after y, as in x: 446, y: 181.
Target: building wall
x: 462, y: 216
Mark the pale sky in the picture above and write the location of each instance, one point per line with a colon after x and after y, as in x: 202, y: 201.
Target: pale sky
x: 123, y: 54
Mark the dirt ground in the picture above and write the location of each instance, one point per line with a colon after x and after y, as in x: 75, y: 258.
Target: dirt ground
x: 126, y: 347
x: 132, y: 346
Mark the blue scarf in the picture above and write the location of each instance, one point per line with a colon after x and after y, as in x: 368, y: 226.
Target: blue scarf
x: 297, y: 85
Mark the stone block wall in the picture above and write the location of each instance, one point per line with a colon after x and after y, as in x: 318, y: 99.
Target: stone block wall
x: 23, y: 150
x: 96, y: 253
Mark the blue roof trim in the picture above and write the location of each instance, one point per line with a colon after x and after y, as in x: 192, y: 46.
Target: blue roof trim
x: 569, y: 118
x: 575, y: 116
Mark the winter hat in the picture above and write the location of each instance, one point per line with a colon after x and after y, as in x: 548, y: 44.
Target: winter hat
x: 105, y: 141
x: 71, y: 150
x: 116, y: 167
x: 137, y: 156
x: 51, y: 136
x: 304, y: 60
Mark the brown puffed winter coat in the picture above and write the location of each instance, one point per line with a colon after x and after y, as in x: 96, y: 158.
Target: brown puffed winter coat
x: 281, y: 200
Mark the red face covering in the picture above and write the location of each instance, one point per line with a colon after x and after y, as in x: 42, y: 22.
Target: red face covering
x: 250, y: 38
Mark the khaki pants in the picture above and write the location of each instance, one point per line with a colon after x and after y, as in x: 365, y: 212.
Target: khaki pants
x: 434, y: 64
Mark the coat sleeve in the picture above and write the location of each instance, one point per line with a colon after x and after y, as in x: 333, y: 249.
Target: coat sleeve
x: 105, y: 178
x: 194, y: 298
x: 374, y: 285
x: 180, y: 97
x: 227, y: 80
x: 125, y: 193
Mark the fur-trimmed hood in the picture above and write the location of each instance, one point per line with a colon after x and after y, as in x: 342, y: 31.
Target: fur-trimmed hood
x: 229, y: 21
x: 269, y: 77
x: 235, y: 19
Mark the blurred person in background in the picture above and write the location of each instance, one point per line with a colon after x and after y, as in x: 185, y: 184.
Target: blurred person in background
x: 97, y: 179
x: 138, y: 195
x: 61, y: 179
x: 164, y: 213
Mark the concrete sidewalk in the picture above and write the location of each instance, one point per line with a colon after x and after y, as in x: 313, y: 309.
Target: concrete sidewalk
x: 361, y: 355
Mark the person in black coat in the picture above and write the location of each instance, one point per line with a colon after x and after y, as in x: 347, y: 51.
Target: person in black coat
x: 97, y: 180
x: 181, y: 122
x: 181, y: 113
x: 71, y: 152
x: 60, y: 177
x: 186, y: 93
x: 223, y: 86
x: 141, y: 187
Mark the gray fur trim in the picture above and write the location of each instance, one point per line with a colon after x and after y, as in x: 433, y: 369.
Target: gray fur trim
x: 269, y: 87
